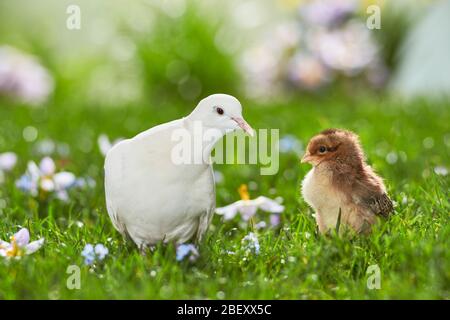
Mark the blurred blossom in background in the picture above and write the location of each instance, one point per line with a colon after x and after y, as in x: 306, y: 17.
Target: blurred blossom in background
x: 322, y: 42
x: 184, y: 50
x: 23, y: 78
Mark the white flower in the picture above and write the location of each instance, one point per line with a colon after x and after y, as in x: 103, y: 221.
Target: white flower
x: 441, y: 170
x: 44, y: 178
x: 7, y: 161
x: 104, y: 144
x: 22, y: 77
x: 247, y: 207
x: 20, y: 245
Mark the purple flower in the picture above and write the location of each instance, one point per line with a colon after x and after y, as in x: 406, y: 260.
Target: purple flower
x: 261, y: 225
x: 22, y: 77
x: 327, y: 13
x: 101, y: 251
x: 187, y: 250
x: 88, y: 254
x: 274, y: 220
x: 92, y: 254
x: 349, y: 49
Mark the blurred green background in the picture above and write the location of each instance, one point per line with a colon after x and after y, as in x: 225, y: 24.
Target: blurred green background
x: 296, y: 66
x: 149, y: 53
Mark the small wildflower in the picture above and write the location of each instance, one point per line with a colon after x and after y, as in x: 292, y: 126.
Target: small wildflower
x: 22, y: 77
x: 441, y: 170
x: 88, y: 254
x: 7, y: 161
x: 261, y: 225
x: 274, y: 220
x: 20, y: 245
x: 92, y: 254
x: 187, y: 250
x: 101, y: 251
x: 43, y: 180
x: 251, y: 243
x: 247, y: 207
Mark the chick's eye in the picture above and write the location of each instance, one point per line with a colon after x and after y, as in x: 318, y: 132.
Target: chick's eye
x: 219, y: 110
x: 322, y: 149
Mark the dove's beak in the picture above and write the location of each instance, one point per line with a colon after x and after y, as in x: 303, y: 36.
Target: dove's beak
x: 244, y: 125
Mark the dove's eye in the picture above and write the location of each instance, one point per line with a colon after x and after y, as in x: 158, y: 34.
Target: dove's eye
x: 219, y: 110
x: 322, y: 149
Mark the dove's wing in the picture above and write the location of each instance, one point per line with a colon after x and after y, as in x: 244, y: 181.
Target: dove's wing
x: 126, y: 164
x: 205, y: 219
x: 149, y: 196
x: 112, y: 175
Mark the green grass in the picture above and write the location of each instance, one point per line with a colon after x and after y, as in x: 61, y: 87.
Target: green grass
x: 411, y: 248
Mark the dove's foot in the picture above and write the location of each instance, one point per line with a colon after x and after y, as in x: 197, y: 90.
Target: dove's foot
x: 144, y: 249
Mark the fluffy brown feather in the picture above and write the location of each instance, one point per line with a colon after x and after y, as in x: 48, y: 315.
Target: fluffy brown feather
x: 338, y: 153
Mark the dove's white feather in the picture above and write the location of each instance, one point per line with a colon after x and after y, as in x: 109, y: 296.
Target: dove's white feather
x: 150, y: 198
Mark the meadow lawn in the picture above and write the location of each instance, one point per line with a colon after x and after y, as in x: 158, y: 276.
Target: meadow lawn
x: 405, y: 142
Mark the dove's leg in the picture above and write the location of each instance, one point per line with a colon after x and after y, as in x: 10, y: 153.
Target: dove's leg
x: 203, y: 224
x: 143, y: 249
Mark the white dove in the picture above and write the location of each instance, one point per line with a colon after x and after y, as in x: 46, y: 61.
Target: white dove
x: 151, y: 195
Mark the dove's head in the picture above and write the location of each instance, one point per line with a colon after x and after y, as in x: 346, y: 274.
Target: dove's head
x: 221, y: 111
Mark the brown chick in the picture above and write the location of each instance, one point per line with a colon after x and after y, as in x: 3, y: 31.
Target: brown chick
x: 341, y: 183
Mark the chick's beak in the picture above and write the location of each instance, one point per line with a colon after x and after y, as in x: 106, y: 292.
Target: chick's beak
x: 306, y: 158
x: 244, y: 125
